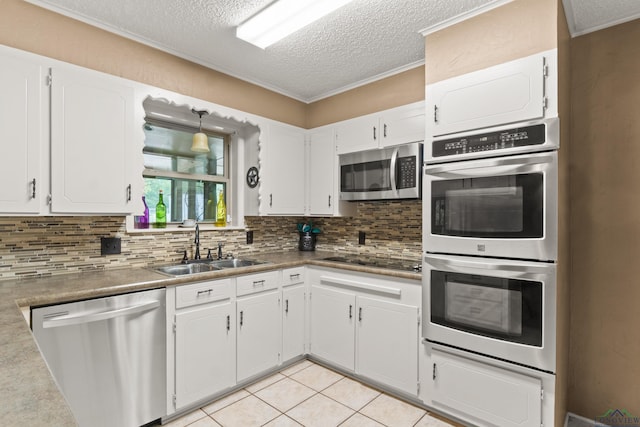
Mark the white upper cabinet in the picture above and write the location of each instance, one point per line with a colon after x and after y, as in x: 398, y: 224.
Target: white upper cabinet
x: 21, y: 139
x: 402, y: 125
x: 515, y: 91
x: 357, y: 134
x: 321, y: 173
x: 283, y: 176
x: 91, y: 143
x: 395, y: 126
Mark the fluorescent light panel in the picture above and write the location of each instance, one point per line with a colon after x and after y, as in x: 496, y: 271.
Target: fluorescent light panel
x: 283, y: 18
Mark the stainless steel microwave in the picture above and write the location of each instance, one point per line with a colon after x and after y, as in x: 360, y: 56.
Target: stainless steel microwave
x: 387, y: 173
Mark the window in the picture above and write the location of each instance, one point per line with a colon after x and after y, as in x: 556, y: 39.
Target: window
x: 191, y: 182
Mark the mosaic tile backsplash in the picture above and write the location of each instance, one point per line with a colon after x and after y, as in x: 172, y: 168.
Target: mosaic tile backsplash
x: 45, y: 246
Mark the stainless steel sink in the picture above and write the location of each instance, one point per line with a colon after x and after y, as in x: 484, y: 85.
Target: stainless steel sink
x: 182, y: 269
x: 235, y: 263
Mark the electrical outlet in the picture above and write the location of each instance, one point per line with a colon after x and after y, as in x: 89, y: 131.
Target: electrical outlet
x: 361, y: 237
x: 249, y: 237
x: 110, y: 246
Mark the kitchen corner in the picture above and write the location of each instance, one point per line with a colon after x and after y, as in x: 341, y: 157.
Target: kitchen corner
x: 31, y: 395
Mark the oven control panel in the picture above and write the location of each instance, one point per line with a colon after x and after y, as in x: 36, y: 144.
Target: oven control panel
x: 490, y: 141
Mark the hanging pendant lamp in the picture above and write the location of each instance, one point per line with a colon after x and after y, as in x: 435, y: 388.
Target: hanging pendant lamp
x: 200, y: 142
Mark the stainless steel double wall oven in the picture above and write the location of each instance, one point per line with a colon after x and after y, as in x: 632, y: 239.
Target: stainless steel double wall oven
x: 490, y: 241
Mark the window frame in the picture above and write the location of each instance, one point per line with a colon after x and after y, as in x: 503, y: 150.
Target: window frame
x: 224, y: 179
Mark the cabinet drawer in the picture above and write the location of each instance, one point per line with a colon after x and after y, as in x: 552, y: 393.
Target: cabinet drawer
x: 202, y: 292
x: 257, y: 283
x: 292, y: 276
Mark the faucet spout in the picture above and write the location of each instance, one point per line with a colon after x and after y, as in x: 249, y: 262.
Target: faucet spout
x: 197, y: 243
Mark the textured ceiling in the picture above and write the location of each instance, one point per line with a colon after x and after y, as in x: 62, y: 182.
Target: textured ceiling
x: 584, y: 16
x: 358, y: 43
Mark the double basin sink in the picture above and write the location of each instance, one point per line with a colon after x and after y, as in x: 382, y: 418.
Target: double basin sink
x: 204, y: 266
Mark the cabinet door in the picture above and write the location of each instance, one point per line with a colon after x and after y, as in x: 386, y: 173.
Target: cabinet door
x: 357, y: 134
x: 283, y: 173
x: 505, y: 93
x: 21, y: 83
x: 293, y: 321
x: 205, y: 352
x: 333, y: 326
x: 387, y: 343
x: 259, y: 333
x: 321, y: 173
x: 484, y: 394
x: 403, y: 125
x: 91, y: 143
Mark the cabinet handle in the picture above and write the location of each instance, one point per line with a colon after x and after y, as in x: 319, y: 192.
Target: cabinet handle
x: 435, y: 114
x: 129, y: 193
x: 360, y: 314
x: 329, y: 200
x: 286, y: 306
x: 270, y: 200
x: 385, y: 130
x: 258, y: 283
x: 33, y: 189
x: 241, y: 318
x: 374, y: 133
x: 207, y: 291
x: 350, y: 311
x: 228, y: 323
x: 294, y: 276
x: 434, y: 372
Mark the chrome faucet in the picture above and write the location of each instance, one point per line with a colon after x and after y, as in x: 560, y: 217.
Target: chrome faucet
x: 197, y: 243
x: 219, y: 250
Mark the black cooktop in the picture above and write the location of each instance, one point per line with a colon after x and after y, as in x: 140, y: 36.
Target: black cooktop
x: 390, y: 263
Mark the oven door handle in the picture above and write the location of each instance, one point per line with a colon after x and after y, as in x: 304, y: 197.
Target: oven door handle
x: 509, y: 164
x: 453, y: 264
x: 392, y: 169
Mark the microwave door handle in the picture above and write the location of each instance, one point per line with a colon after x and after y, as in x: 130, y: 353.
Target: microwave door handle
x: 392, y: 169
x: 508, y: 165
x: 461, y: 265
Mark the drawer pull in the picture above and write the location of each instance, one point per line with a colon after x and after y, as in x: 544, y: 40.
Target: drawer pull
x: 258, y: 283
x: 206, y: 291
x: 294, y: 276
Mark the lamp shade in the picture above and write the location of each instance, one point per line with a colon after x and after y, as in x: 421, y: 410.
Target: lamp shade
x: 200, y: 143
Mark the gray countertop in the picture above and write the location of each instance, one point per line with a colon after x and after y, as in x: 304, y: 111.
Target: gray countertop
x: 28, y: 391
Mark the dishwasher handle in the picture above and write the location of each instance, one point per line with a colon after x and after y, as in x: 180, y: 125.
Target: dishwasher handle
x: 102, y: 315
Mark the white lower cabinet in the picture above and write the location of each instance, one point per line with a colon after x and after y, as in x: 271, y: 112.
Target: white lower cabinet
x: 332, y: 325
x: 259, y: 324
x: 387, y: 343
x: 482, y: 393
x: 204, y: 341
x: 294, y: 313
x: 205, y: 352
x: 367, y: 324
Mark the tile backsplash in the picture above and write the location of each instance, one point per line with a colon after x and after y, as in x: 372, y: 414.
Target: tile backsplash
x: 44, y: 246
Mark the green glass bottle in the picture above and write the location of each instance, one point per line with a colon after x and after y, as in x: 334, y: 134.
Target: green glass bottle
x: 161, y: 212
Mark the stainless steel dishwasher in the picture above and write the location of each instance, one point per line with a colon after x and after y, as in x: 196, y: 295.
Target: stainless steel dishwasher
x: 108, y: 356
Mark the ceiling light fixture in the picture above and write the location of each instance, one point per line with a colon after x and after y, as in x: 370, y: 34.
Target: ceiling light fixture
x: 283, y: 18
x: 200, y: 142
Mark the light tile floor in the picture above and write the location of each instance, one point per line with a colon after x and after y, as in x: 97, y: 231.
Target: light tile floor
x: 310, y: 395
